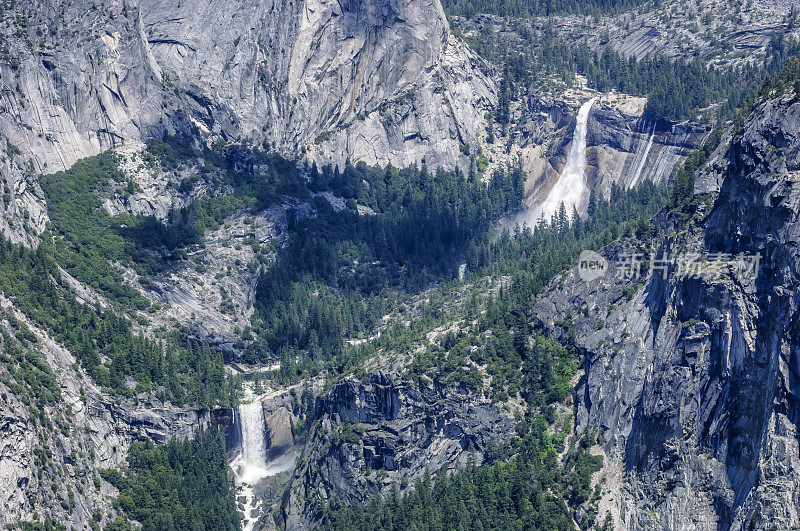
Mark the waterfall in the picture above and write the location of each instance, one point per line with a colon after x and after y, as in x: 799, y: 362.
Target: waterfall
x: 640, y: 166
x: 571, y: 187
x: 252, y: 465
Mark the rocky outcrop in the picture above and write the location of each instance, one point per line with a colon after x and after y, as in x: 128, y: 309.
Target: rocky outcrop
x: 212, y: 294
x: 49, y: 458
x: 379, y: 81
x: 626, y: 149
x: 623, y: 147
x: 385, y: 431
x: 280, y: 436
x: 692, y: 378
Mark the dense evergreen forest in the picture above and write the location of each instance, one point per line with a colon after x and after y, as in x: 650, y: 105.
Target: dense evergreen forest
x: 340, y: 272
x: 338, y: 275
x: 528, y: 489
x: 788, y: 79
x: 181, y: 485
x: 419, y: 227
x: 523, y: 485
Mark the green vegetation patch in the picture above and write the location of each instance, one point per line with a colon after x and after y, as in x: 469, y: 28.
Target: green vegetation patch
x: 88, y: 241
x: 342, y: 271
x: 181, y: 485
x: 103, y: 341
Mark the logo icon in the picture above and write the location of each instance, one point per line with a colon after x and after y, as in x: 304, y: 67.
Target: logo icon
x: 591, y: 266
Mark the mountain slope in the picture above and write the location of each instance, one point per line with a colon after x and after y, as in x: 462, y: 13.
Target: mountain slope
x: 691, y: 378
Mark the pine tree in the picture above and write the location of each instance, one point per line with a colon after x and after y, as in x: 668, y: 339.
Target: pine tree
x: 592, y: 206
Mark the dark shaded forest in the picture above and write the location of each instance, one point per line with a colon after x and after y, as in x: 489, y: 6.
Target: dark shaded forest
x: 531, y: 8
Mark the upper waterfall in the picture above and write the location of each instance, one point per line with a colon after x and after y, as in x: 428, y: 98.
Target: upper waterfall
x: 571, y: 187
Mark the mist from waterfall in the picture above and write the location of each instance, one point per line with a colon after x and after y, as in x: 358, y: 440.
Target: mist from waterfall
x: 571, y: 187
x: 252, y: 464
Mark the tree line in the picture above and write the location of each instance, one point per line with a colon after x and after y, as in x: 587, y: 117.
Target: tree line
x: 342, y: 271
x: 103, y: 340
x: 532, y: 8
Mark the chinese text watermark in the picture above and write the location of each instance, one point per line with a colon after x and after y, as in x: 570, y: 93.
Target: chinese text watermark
x: 634, y: 265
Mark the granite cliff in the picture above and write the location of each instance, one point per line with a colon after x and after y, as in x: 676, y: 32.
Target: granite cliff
x: 691, y: 377
x: 691, y: 381
x: 381, y: 431
x: 382, y: 82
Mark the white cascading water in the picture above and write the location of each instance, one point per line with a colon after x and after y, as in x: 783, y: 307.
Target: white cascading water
x: 571, y: 187
x: 251, y: 465
x: 640, y: 167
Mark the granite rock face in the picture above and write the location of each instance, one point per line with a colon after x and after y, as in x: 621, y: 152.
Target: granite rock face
x: 626, y: 149
x: 384, y: 431
x: 379, y: 81
x: 692, y: 379
x: 373, y: 80
x: 623, y: 147
x: 376, y: 80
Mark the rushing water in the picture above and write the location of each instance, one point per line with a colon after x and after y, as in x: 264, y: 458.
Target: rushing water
x: 250, y: 466
x: 571, y: 187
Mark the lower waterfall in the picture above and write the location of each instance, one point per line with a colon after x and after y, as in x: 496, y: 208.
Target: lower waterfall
x: 250, y: 466
x: 253, y: 463
x: 253, y: 466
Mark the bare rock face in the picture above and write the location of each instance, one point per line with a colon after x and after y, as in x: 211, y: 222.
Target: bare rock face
x: 383, y: 432
x: 623, y: 147
x: 279, y: 431
x: 213, y: 294
x: 627, y: 149
x: 428, y: 121
x: 692, y: 380
x: 373, y: 80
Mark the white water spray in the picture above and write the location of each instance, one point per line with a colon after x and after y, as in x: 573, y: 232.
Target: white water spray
x: 253, y: 463
x: 250, y: 466
x: 571, y: 187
